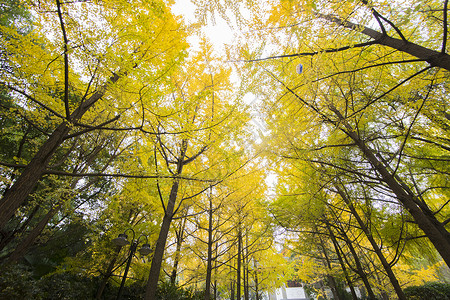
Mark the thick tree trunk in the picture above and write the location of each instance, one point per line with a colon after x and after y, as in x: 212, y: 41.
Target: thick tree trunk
x: 29, y: 177
x: 152, y: 283
x: 425, y: 219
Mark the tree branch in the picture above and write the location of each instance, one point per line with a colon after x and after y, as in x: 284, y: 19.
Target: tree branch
x: 444, y: 37
x: 91, y: 128
x: 140, y: 176
x: 331, y: 50
x: 434, y: 58
x: 35, y: 101
x: 66, y: 61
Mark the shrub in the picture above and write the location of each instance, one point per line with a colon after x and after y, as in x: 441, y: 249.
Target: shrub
x: 66, y: 286
x: 168, y: 291
x: 429, y: 291
x: 17, y: 283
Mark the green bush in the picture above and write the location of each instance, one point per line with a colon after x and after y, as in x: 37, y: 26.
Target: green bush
x: 66, y: 286
x: 19, y: 282
x: 429, y: 291
x: 168, y: 291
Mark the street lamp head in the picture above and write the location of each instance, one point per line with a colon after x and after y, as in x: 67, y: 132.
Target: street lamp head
x: 145, y: 249
x: 121, y: 240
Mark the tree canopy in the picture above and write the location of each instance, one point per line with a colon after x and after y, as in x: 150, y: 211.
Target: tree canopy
x: 313, y: 150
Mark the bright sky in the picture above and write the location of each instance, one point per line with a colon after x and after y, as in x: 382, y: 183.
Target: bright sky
x: 219, y: 34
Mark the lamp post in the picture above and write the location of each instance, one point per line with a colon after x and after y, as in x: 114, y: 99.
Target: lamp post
x: 121, y: 241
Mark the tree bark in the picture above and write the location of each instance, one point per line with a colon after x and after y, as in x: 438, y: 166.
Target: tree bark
x: 232, y: 291
x: 29, y: 177
x: 359, y: 268
x: 246, y: 279
x: 11, y: 235
x: 210, y: 244
x: 108, y: 273
x: 25, y: 244
x: 378, y: 252
x: 28, y: 241
x: 331, y: 280
x: 256, y: 283
x: 423, y: 216
x: 152, y: 283
x: 238, y: 269
x: 180, y: 238
x: 341, y: 262
x: 434, y: 58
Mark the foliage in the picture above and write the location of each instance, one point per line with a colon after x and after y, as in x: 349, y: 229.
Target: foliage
x: 18, y: 282
x: 430, y: 290
x: 167, y: 143
x: 13, y: 13
x: 168, y: 291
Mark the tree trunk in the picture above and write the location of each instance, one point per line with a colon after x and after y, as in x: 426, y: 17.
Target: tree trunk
x: 24, y: 245
x: 28, y: 241
x: 359, y: 269
x: 108, y: 273
x: 434, y: 58
x: 232, y: 291
x: 245, y: 260
x: 153, y: 278
x: 210, y: 244
x: 331, y: 280
x: 29, y: 177
x: 238, y: 269
x: 180, y: 238
x: 152, y: 283
x: 256, y: 283
x: 341, y: 262
x: 378, y: 252
x: 11, y: 235
x: 425, y: 219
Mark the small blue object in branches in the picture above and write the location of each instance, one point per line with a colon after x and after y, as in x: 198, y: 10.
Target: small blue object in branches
x: 299, y: 68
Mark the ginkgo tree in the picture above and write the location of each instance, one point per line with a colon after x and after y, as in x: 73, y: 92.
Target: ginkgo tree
x: 109, y: 122
x: 370, y: 91
x: 201, y: 115
x: 85, y: 67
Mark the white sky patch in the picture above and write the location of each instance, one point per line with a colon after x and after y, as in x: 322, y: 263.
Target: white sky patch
x: 219, y: 33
